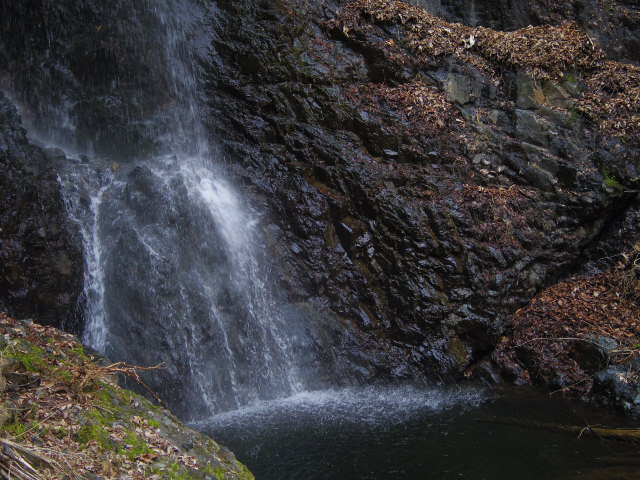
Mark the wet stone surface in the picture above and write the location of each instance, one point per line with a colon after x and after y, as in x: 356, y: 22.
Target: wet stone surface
x: 40, y: 250
x: 423, y: 236
x: 414, y: 202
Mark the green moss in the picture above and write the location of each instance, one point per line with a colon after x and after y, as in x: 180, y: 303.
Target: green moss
x: 31, y: 356
x: 613, y: 185
x: 66, y: 374
x: 611, y: 182
x: 98, y: 434
x: 107, y: 397
x: 175, y: 471
x: 114, y: 398
x: 241, y: 472
x: 153, y: 422
x: 209, y: 447
x: 17, y: 429
x: 244, y: 473
x: 95, y: 429
x: 134, y: 446
x: 217, y: 472
x: 79, y: 351
x: 99, y: 417
x: 571, y: 77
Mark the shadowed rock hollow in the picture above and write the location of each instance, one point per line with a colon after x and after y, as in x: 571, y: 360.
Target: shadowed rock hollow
x: 40, y: 249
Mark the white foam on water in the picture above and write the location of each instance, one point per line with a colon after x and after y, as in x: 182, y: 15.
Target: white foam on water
x: 374, y: 406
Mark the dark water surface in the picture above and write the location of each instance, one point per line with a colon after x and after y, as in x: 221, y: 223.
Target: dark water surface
x: 419, y: 433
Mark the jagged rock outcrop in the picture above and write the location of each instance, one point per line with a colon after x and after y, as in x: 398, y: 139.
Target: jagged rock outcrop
x: 425, y: 190
x: 41, y: 260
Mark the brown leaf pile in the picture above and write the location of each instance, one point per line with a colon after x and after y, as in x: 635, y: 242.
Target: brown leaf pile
x: 613, y: 100
x: 547, y: 331
x: 426, y: 108
x: 427, y: 33
x: 543, y: 51
x: 422, y: 105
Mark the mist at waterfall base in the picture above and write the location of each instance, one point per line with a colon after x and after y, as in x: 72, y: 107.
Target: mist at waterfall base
x: 411, y: 433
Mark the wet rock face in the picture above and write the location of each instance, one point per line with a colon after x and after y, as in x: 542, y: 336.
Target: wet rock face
x: 415, y: 202
x: 87, y: 74
x: 41, y: 259
x: 617, y: 387
x: 422, y: 201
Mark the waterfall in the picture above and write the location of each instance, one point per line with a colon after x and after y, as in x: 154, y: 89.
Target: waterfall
x: 175, y: 272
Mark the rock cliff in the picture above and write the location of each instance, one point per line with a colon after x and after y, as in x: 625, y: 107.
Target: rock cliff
x: 423, y: 179
x: 428, y: 177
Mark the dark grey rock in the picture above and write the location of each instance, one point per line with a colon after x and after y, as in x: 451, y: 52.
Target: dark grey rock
x: 593, y: 353
x: 531, y: 128
x: 40, y: 249
x: 617, y: 387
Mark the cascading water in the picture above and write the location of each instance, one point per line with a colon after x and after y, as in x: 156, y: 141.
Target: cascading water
x: 221, y: 318
x: 173, y: 275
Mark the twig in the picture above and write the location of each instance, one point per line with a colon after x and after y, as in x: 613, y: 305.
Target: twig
x: 18, y: 466
x: 569, y: 386
x: 37, y: 423
x: 555, y: 339
x: 131, y: 371
x: 631, y: 435
x: 26, y: 451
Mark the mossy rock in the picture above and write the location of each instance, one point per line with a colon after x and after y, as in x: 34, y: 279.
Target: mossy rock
x: 78, y: 411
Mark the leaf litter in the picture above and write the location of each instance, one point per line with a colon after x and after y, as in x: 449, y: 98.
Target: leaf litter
x: 66, y: 417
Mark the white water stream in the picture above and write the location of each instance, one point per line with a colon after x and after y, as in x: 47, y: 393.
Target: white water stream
x: 173, y: 272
